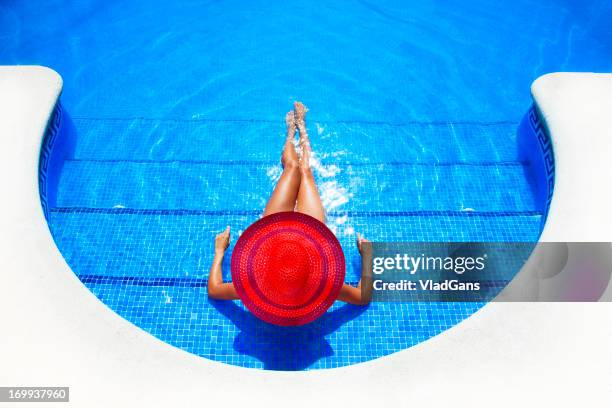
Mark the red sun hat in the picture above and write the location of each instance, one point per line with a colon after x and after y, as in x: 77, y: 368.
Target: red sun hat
x: 288, y: 268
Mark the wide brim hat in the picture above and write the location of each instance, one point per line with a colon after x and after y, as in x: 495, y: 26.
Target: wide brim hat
x: 288, y: 268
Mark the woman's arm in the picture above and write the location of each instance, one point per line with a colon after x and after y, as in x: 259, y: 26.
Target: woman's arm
x: 362, y: 294
x: 216, y: 288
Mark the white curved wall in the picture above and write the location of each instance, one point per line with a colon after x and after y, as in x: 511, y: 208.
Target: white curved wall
x: 54, y: 332
x: 577, y: 109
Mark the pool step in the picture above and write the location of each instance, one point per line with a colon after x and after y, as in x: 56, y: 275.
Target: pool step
x: 180, y: 244
x: 233, y: 185
x: 333, y: 142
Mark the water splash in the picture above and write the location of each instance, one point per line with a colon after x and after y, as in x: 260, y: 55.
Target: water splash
x: 274, y: 172
x: 329, y: 170
x: 320, y: 129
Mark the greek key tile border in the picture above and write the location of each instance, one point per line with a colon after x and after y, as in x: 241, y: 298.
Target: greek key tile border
x: 44, y: 163
x: 546, y: 149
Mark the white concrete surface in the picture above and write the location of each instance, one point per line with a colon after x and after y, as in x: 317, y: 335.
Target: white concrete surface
x: 577, y: 109
x: 54, y: 332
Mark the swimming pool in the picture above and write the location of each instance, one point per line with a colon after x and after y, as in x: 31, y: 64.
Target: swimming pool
x: 178, y: 111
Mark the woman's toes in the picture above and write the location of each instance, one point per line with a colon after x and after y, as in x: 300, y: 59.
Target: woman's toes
x: 300, y: 110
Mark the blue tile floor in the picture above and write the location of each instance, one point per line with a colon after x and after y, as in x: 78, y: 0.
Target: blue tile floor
x: 135, y: 219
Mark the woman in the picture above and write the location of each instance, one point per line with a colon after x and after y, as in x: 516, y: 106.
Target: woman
x: 296, y: 191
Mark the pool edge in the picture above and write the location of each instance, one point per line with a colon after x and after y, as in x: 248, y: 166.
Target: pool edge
x: 74, y: 341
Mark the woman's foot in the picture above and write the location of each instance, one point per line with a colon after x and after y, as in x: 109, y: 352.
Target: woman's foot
x: 300, y: 115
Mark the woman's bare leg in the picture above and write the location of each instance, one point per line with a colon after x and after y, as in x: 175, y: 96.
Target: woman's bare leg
x: 285, y: 193
x: 308, y: 199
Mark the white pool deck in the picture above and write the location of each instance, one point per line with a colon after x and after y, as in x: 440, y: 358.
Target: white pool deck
x: 55, y: 332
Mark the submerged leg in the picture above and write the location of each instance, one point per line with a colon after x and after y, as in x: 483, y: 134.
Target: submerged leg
x: 285, y: 193
x: 308, y: 199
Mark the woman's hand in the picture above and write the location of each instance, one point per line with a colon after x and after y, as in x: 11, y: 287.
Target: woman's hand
x: 362, y: 246
x: 216, y: 288
x: 222, y: 241
x: 362, y: 294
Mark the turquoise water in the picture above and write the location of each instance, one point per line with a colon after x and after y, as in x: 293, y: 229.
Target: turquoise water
x: 179, y: 109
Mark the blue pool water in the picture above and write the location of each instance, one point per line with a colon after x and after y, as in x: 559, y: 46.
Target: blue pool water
x: 179, y: 108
